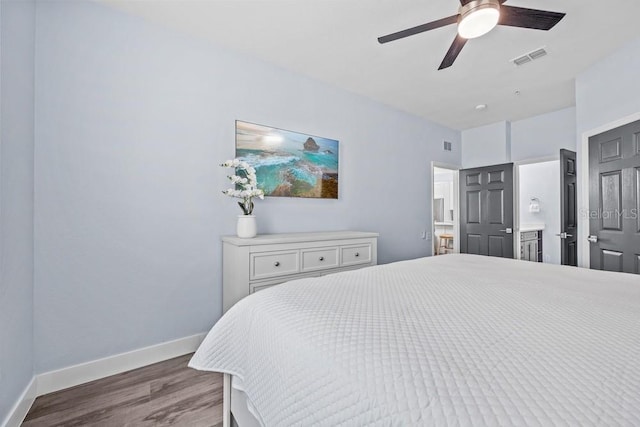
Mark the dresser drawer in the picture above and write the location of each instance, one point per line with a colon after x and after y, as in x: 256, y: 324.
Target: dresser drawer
x: 271, y: 264
x: 319, y: 259
x: 529, y: 235
x: 351, y: 255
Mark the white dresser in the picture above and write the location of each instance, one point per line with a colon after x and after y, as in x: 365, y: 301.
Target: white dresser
x: 250, y: 265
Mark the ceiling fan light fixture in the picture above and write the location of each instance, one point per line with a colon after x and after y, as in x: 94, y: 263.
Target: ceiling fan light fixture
x: 478, y: 17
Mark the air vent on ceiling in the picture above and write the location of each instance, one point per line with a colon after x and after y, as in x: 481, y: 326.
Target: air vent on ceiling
x: 447, y: 146
x: 528, y: 57
x: 522, y: 60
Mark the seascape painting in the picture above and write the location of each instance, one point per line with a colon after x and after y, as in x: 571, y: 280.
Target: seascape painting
x: 289, y: 164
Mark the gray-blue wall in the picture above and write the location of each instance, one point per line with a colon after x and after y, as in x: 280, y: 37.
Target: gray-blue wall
x: 543, y: 135
x: 486, y: 145
x: 132, y: 121
x: 527, y: 139
x: 16, y: 200
x: 609, y: 90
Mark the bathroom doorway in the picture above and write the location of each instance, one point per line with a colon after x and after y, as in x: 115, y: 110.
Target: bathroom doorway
x: 538, y: 211
x: 445, y: 210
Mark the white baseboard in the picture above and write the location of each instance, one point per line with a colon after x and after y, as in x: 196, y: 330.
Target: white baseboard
x: 22, y: 406
x: 49, y: 382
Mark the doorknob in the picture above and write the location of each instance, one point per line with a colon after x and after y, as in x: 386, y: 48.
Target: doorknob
x: 564, y: 235
x: 507, y: 230
x: 593, y: 239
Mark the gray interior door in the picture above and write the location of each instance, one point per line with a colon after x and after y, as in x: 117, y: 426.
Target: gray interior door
x: 486, y: 210
x: 568, y: 211
x: 614, y: 199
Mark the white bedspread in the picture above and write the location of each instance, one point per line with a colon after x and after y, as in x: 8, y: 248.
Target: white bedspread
x: 448, y: 340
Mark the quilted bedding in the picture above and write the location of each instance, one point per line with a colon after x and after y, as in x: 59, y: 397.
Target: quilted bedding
x: 448, y: 340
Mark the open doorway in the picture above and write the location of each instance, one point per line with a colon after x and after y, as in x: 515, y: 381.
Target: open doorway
x: 445, y: 210
x: 538, y: 211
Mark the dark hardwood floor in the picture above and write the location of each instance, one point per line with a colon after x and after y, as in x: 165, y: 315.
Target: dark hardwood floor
x: 163, y: 394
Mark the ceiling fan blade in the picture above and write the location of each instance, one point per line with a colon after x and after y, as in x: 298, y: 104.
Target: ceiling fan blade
x: 419, y: 29
x: 454, y: 51
x: 529, y: 18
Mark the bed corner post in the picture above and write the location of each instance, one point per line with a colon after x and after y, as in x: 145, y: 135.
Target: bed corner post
x: 226, y: 401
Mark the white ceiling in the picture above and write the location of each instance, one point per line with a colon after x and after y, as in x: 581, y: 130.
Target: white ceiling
x: 336, y: 41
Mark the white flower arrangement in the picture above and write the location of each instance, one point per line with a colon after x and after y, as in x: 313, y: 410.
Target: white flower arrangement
x: 245, y: 184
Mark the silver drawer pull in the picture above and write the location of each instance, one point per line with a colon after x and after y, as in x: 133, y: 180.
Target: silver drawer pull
x: 321, y: 258
x: 357, y: 254
x: 277, y: 263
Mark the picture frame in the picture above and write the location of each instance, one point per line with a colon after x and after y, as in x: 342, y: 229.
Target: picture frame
x: 288, y: 163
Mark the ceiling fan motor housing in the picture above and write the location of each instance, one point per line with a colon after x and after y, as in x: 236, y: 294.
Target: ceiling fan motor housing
x: 478, y: 17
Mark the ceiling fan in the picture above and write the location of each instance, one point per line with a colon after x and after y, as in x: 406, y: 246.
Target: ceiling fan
x: 476, y: 18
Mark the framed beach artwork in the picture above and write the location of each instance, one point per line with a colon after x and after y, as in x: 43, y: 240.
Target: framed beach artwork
x: 289, y: 164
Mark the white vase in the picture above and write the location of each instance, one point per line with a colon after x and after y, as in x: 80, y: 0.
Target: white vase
x: 246, y: 227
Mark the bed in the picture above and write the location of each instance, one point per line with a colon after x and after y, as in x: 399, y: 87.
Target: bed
x: 448, y: 340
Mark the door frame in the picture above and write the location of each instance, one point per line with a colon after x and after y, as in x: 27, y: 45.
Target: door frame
x: 516, y: 196
x: 456, y: 204
x: 584, y: 252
